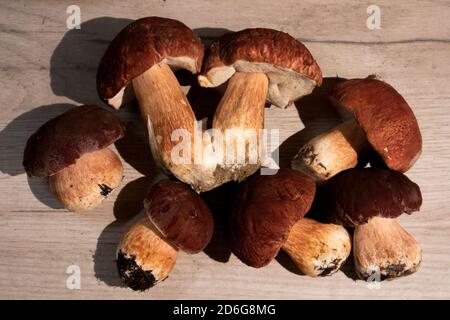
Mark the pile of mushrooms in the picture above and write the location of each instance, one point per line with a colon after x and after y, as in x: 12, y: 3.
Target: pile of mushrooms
x: 271, y: 213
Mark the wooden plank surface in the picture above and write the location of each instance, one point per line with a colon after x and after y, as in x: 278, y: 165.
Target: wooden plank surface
x: 45, y: 69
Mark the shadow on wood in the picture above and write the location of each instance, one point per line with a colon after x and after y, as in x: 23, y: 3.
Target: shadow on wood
x: 317, y: 114
x: 105, y: 269
x: 220, y: 201
x: 129, y: 201
x: 74, y: 62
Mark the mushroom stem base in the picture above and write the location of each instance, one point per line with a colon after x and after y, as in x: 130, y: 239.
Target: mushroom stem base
x: 382, y: 247
x: 331, y: 152
x: 143, y: 257
x: 317, y: 249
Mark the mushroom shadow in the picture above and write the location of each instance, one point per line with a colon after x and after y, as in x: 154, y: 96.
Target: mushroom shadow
x: 317, y: 114
x: 220, y: 202
x: 209, y: 34
x: 105, y: 253
x: 129, y: 201
x: 74, y: 62
x: 134, y: 147
x: 286, y: 262
x: 13, y: 139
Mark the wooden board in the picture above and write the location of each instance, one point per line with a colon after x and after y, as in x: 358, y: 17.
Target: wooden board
x: 45, y: 69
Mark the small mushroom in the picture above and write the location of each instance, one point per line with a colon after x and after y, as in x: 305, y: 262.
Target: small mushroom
x: 71, y: 150
x: 268, y: 216
x: 139, y: 63
x: 370, y: 199
x: 259, y: 64
x: 177, y: 219
x: 379, y: 117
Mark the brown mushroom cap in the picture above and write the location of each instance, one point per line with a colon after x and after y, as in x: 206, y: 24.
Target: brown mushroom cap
x: 61, y: 141
x: 142, y: 44
x: 287, y: 62
x: 180, y: 214
x: 388, y: 121
x: 266, y: 209
x: 355, y: 196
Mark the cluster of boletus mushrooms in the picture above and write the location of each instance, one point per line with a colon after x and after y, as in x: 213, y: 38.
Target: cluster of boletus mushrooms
x: 256, y: 66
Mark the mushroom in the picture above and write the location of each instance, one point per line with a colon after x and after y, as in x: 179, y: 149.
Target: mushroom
x: 177, y: 218
x: 260, y: 65
x: 268, y: 216
x: 379, y: 117
x: 71, y: 150
x: 370, y: 199
x: 138, y: 64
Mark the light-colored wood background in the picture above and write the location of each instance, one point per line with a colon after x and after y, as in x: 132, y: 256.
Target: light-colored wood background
x: 45, y: 69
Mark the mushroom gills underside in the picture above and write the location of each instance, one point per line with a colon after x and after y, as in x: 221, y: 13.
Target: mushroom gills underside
x: 285, y: 85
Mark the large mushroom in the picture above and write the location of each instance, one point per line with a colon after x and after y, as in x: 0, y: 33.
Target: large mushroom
x: 370, y: 199
x: 378, y: 118
x: 260, y: 65
x: 71, y: 150
x: 268, y: 216
x: 177, y: 218
x: 139, y: 63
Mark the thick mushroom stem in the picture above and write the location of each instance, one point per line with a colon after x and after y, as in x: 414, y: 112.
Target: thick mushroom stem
x: 318, y: 249
x: 240, y: 118
x: 383, y: 249
x: 171, y: 125
x: 331, y: 152
x: 83, y: 185
x: 143, y: 257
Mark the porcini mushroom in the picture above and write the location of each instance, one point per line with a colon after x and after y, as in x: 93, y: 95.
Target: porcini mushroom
x: 138, y: 63
x: 268, y: 216
x: 177, y: 218
x: 370, y: 199
x: 260, y: 65
x: 71, y: 150
x: 379, y: 117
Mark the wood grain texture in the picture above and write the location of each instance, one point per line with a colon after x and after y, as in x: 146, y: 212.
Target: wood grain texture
x: 45, y: 69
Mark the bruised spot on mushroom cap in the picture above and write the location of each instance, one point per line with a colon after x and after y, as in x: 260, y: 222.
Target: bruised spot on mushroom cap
x: 132, y: 275
x: 355, y: 196
x: 142, y: 44
x: 61, y: 141
x: 386, y: 118
x: 288, y: 64
x: 266, y: 209
x: 180, y: 214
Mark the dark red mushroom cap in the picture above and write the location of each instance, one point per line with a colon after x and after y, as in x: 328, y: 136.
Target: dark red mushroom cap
x: 142, y: 44
x: 386, y: 118
x: 180, y: 214
x: 354, y: 196
x: 266, y: 209
x: 64, y: 139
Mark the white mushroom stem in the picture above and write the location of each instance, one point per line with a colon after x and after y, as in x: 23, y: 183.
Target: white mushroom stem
x: 331, y: 152
x: 171, y: 125
x: 240, y: 118
x: 383, y: 249
x: 83, y: 185
x: 317, y: 249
